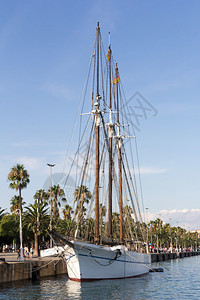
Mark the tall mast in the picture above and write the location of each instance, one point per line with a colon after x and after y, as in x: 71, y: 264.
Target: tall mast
x: 97, y: 123
x: 110, y: 129
x: 119, y: 161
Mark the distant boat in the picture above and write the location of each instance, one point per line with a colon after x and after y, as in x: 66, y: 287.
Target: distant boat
x: 111, y: 249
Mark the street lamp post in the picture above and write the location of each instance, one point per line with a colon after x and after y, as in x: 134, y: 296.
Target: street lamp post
x: 20, y: 228
x: 196, y: 240
x: 184, y: 237
x: 160, y: 230
x: 157, y: 242
x: 51, y: 216
x: 171, y: 246
x: 21, y: 243
x: 21, y: 258
x: 38, y: 224
x: 177, y: 236
x: 147, y: 230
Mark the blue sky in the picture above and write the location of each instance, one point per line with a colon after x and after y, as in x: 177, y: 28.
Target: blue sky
x: 44, y: 53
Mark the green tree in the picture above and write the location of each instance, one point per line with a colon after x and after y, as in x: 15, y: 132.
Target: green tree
x: 41, y: 195
x: 19, y: 179
x: 15, y: 203
x: 67, y: 211
x: 55, y: 195
x: 128, y: 222
x: 102, y: 214
x: 88, y: 228
x: 81, y: 197
x: 30, y: 220
x: 9, y: 229
x: 66, y: 227
x: 115, y: 225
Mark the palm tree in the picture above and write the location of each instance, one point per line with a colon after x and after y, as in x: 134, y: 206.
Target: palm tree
x: 82, y: 196
x: 90, y: 229
x: 115, y: 225
x: 82, y: 193
x: 102, y: 211
x: 15, y: 203
x: 55, y: 195
x: 158, y: 225
x: 41, y: 195
x: 128, y: 222
x: 102, y: 214
x: 151, y: 230
x: 67, y: 211
x: 19, y: 179
x: 31, y: 219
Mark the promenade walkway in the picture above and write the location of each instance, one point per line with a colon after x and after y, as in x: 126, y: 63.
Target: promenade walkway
x: 12, y: 257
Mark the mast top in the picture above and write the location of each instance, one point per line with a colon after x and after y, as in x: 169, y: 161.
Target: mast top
x: 97, y: 24
x: 109, y: 39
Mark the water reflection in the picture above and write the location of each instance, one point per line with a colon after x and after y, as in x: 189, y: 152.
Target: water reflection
x: 73, y: 289
x: 180, y: 282
x: 107, y: 289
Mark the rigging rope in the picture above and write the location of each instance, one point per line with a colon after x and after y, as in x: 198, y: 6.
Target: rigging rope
x: 78, y: 110
x: 137, y: 155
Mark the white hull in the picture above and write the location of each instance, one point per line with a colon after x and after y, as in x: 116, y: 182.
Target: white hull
x: 86, y: 262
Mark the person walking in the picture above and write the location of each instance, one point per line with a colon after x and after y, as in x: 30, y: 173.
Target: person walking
x: 31, y: 252
x: 18, y: 253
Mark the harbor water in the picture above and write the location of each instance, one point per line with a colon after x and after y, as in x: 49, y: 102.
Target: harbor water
x: 180, y: 280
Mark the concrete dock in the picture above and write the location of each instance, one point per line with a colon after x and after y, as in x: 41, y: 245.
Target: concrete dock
x: 156, y: 257
x: 29, y: 269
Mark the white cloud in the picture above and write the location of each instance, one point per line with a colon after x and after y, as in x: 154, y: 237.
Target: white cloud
x: 30, y: 163
x: 150, y: 170
x: 186, y: 218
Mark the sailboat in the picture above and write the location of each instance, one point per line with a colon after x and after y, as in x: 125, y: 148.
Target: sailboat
x: 114, y: 248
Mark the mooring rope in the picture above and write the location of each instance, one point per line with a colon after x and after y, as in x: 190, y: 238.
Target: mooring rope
x: 36, y: 269
x: 147, y: 266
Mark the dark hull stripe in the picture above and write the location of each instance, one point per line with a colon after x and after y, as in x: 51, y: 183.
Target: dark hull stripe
x: 110, y: 259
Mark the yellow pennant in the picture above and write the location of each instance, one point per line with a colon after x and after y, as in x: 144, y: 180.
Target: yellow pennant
x: 108, y: 55
x: 116, y: 80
